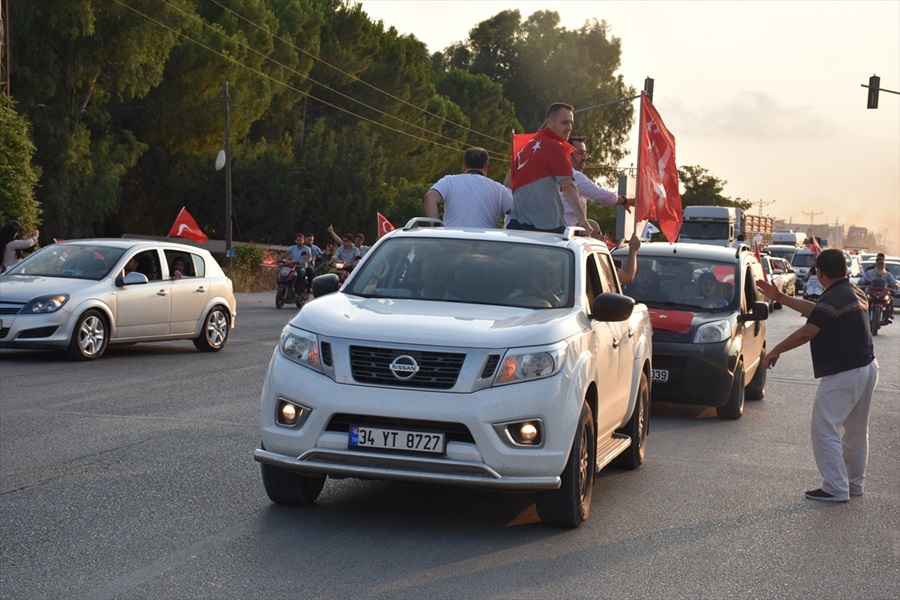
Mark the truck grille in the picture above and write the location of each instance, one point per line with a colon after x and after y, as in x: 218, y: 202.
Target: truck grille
x: 437, y: 370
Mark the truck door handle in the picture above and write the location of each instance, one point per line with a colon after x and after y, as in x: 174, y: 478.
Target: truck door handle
x: 161, y: 293
x: 615, y: 342
x: 631, y: 333
x: 201, y: 289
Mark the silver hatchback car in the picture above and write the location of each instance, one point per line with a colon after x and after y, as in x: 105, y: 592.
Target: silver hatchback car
x: 82, y: 295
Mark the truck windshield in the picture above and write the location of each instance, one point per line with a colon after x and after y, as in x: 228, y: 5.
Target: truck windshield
x: 463, y: 270
x: 704, y: 230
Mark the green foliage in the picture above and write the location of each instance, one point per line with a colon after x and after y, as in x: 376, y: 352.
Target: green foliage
x: 701, y: 188
x: 18, y: 177
x: 247, y: 272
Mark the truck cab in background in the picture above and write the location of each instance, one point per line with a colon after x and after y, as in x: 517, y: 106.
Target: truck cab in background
x: 713, y: 225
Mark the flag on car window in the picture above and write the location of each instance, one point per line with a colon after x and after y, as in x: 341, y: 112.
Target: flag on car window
x: 186, y: 227
x: 384, y: 225
x: 530, y: 159
x: 658, y: 198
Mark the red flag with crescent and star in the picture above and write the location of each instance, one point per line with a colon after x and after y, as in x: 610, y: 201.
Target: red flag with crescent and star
x: 658, y: 198
x: 671, y: 320
x: 186, y: 227
x: 534, y: 156
x: 384, y: 226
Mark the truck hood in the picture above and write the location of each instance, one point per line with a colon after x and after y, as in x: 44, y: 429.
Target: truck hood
x: 413, y: 321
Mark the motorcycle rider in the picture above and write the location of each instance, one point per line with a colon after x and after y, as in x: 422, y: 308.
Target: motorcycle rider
x: 301, y: 254
x: 879, y: 271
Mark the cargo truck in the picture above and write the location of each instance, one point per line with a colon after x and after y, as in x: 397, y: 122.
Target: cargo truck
x: 720, y: 226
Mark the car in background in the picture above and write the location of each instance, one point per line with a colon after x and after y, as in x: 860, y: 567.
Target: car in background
x: 76, y: 296
x: 803, y: 260
x: 891, y: 263
x: 781, y: 251
x: 708, y: 318
x: 854, y: 266
x: 781, y: 275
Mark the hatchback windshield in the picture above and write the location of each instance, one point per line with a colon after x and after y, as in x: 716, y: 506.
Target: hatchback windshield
x: 684, y: 283
x: 72, y: 261
x: 455, y: 270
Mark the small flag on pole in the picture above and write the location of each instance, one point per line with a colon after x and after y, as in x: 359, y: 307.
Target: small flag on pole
x: 186, y: 227
x: 384, y: 226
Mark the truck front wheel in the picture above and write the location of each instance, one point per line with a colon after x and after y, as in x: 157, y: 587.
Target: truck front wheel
x: 570, y: 505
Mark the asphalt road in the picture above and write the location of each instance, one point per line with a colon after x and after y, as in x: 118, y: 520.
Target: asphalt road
x: 133, y: 477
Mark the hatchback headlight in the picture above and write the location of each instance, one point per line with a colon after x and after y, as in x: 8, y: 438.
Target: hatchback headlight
x: 717, y: 331
x: 529, y: 364
x: 46, y: 304
x: 302, y: 347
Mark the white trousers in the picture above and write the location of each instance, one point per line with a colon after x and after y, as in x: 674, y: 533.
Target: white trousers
x: 840, y: 429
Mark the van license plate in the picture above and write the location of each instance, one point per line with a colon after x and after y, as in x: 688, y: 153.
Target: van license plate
x: 362, y: 436
x: 661, y: 375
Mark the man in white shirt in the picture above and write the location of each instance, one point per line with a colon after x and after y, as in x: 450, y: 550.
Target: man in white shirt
x: 470, y: 199
x: 587, y: 189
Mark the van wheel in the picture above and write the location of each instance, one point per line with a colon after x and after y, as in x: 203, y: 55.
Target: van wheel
x: 637, y: 428
x: 734, y: 408
x: 214, y: 333
x: 284, y: 487
x: 570, y: 505
x: 756, y: 389
x: 89, y: 339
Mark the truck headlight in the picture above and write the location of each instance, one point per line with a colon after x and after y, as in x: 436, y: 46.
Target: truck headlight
x: 717, y: 331
x: 301, y: 347
x: 528, y: 364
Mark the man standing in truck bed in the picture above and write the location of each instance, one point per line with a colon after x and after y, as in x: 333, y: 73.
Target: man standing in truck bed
x: 543, y: 168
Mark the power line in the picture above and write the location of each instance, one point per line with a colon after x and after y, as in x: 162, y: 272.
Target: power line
x: 355, y: 78
x: 308, y: 78
x: 286, y: 85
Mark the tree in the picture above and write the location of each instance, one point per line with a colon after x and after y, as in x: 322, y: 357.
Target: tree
x: 18, y: 177
x: 701, y: 188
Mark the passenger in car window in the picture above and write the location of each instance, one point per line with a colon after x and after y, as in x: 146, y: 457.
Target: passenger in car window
x: 436, y: 280
x: 179, y: 266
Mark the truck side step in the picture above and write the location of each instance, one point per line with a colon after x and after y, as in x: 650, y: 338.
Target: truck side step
x: 611, y: 448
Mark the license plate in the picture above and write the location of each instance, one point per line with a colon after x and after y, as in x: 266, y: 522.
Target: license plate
x: 661, y: 375
x: 363, y: 436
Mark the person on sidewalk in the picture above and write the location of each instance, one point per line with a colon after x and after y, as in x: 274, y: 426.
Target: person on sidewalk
x: 843, y: 357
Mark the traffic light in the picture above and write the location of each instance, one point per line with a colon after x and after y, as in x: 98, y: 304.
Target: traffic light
x: 874, y: 83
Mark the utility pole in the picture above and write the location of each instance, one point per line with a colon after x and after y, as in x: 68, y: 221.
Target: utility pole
x: 811, y: 215
x: 762, y: 203
x: 228, y: 252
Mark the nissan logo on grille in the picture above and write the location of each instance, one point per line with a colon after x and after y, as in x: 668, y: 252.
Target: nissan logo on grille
x: 404, y: 367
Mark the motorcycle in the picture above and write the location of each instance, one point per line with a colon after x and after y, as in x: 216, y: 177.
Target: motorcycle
x: 813, y: 289
x: 286, y: 284
x: 880, y: 301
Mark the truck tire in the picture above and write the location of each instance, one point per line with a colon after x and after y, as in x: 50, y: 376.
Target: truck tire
x: 637, y: 428
x: 570, y: 505
x: 284, y: 487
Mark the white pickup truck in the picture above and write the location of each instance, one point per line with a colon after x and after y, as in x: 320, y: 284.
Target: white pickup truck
x: 490, y: 358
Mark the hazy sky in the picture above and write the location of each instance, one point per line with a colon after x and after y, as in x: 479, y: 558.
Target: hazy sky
x: 765, y: 95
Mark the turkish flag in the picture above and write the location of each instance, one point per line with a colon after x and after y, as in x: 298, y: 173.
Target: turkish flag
x: 384, y: 226
x: 671, y: 320
x: 538, y: 155
x: 268, y: 262
x: 813, y: 245
x: 186, y: 227
x: 658, y: 198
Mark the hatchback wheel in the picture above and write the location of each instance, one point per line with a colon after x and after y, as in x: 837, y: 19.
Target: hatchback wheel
x: 89, y: 340
x: 214, y: 332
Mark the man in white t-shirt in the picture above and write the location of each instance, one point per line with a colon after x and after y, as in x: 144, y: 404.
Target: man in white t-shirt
x: 470, y: 199
x: 587, y: 189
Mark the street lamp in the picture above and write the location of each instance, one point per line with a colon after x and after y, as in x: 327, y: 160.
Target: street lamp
x: 223, y: 159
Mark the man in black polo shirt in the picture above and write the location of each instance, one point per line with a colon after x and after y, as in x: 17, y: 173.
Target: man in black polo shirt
x: 837, y: 329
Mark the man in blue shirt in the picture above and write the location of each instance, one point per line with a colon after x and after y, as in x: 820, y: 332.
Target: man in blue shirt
x: 301, y: 254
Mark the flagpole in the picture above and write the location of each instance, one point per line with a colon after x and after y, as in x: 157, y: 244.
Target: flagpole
x: 638, y: 174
